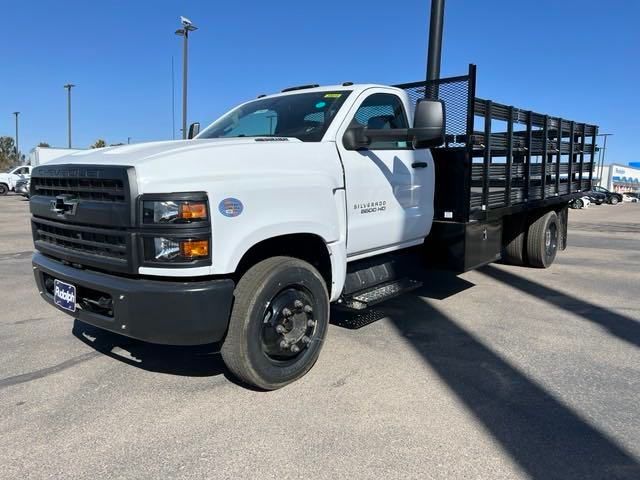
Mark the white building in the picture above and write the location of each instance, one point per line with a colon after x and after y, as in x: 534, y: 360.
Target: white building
x: 618, y: 178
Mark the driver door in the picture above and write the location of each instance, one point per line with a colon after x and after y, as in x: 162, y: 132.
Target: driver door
x: 389, y: 186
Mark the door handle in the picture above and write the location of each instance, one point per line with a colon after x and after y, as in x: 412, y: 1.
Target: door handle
x: 419, y: 164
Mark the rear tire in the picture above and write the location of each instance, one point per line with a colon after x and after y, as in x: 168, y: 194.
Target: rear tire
x: 542, y: 240
x: 513, y: 252
x: 4, y: 189
x: 278, y: 323
x: 614, y: 200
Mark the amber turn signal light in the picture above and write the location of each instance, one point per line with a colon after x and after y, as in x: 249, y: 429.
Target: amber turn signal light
x: 193, y: 211
x: 194, y: 248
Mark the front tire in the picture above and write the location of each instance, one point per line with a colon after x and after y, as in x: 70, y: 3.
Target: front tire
x: 577, y: 204
x: 4, y: 189
x: 614, y: 200
x: 542, y: 240
x: 278, y: 323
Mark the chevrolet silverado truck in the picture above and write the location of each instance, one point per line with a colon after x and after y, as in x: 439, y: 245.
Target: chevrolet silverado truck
x: 244, y: 234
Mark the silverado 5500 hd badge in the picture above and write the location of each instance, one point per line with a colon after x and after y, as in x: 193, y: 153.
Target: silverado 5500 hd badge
x: 371, y: 207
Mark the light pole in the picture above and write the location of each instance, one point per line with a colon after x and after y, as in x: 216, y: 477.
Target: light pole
x: 69, y: 86
x: 17, y: 144
x: 603, y: 152
x: 187, y: 27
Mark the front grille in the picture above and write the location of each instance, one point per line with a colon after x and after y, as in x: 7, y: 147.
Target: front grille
x: 84, y: 214
x: 110, y: 244
x: 96, y: 189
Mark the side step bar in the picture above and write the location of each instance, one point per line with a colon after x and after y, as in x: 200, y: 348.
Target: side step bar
x: 374, y: 295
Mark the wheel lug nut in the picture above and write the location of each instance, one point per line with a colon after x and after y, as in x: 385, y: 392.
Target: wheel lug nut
x: 306, y: 340
x: 308, y: 309
x: 295, y: 348
x: 297, y: 304
x: 311, y: 323
x: 286, y: 312
x: 280, y: 329
x: 284, y: 344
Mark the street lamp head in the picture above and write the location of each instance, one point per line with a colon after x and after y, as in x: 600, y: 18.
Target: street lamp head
x: 69, y: 85
x: 16, y: 113
x: 180, y: 32
x: 187, y: 24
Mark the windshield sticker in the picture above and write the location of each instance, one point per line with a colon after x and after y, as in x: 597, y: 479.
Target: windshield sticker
x: 332, y: 95
x: 321, y: 104
x: 230, y: 207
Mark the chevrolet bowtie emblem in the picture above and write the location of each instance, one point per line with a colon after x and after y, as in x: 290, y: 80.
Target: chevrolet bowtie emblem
x: 64, y: 205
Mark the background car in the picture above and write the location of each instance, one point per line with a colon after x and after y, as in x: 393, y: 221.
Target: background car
x: 632, y: 197
x: 582, y: 202
x: 596, y: 197
x: 22, y: 187
x: 612, y: 197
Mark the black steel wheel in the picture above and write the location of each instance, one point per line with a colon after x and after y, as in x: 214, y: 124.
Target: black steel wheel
x: 542, y: 240
x: 278, y: 323
x: 4, y: 189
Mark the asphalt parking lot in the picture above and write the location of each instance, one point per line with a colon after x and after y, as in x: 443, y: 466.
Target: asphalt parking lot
x: 500, y: 373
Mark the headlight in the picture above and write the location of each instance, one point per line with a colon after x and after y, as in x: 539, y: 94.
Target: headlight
x: 179, y: 250
x: 174, y: 212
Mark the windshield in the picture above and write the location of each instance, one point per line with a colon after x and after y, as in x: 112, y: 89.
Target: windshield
x: 305, y: 116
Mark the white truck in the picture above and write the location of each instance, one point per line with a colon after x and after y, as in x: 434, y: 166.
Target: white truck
x: 245, y: 234
x: 9, y: 178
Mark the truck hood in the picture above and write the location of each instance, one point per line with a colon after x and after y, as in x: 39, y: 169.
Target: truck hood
x: 140, y: 153
x: 185, y: 165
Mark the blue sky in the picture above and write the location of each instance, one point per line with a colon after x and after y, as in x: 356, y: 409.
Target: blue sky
x: 576, y: 59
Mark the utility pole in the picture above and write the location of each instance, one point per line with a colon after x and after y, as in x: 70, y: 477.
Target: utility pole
x: 602, y: 155
x: 436, y: 26
x: 69, y: 86
x: 187, y: 27
x: 17, y: 146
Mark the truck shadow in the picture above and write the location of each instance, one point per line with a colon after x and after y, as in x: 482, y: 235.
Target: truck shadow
x: 620, y: 326
x: 197, y: 361
x: 543, y: 435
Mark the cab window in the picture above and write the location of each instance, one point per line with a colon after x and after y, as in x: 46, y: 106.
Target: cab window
x: 382, y: 111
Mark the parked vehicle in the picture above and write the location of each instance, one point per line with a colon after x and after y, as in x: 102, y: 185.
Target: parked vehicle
x: 596, y: 197
x: 41, y: 155
x: 581, y: 202
x: 9, y: 178
x: 244, y: 234
x: 611, y: 197
x: 22, y: 187
x: 631, y: 197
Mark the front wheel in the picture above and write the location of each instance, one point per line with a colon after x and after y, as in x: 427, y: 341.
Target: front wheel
x: 614, y: 200
x: 278, y: 323
x: 3, y: 189
x: 577, y: 203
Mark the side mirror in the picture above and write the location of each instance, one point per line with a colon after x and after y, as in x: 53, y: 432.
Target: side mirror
x: 354, y: 139
x: 194, y: 129
x: 429, y: 123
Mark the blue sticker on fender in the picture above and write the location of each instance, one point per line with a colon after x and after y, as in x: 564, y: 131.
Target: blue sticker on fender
x: 230, y: 207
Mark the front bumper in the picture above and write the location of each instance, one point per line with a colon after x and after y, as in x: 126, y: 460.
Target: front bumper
x: 165, y: 312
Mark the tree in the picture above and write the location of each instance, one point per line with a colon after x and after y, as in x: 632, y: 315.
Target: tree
x: 44, y: 145
x: 8, y: 154
x: 100, y: 143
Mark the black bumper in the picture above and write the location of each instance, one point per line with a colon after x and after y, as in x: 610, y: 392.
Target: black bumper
x: 166, y: 312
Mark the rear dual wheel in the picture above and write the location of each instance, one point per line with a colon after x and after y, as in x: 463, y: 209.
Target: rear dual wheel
x: 542, y: 240
x: 278, y: 323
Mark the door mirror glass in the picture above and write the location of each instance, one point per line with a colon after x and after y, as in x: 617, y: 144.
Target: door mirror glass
x: 429, y: 123
x: 194, y: 129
